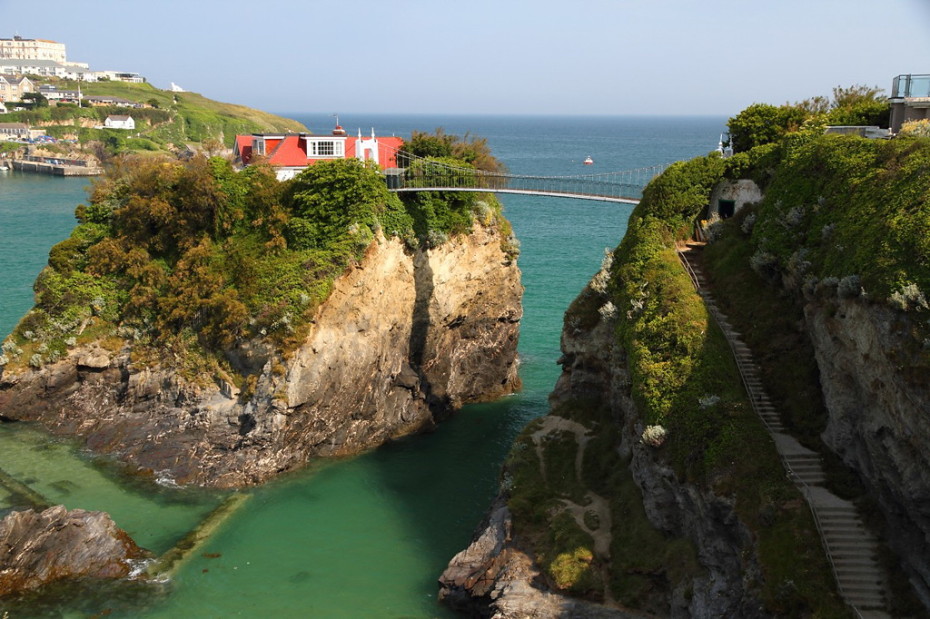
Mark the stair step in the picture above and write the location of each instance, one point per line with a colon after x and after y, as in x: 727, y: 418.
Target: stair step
x: 848, y: 514
x: 846, y: 533
x: 808, y: 475
x: 864, y: 575
x: 845, y: 524
x: 876, y: 602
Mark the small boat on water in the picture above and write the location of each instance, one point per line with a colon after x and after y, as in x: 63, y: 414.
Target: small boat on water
x: 588, y: 160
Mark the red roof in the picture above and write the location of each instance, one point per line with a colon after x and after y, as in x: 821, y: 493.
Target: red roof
x: 290, y: 150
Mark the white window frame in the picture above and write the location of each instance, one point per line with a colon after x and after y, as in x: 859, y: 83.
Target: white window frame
x: 338, y: 149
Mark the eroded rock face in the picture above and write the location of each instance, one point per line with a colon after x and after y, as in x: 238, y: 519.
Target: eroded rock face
x: 403, y: 340
x: 497, y: 578
x: 877, y: 393
x: 40, y: 548
x: 494, y: 578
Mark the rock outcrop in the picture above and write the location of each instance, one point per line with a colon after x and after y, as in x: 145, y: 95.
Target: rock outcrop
x: 493, y: 577
x: 37, y: 548
x: 875, y: 384
x: 403, y: 339
x: 498, y: 576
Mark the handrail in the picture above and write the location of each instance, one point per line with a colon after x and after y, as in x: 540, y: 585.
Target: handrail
x: 798, y: 481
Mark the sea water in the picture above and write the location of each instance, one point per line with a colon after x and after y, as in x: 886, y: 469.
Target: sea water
x: 365, y: 536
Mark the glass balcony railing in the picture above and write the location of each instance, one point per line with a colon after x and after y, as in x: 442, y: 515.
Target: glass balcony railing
x: 905, y: 86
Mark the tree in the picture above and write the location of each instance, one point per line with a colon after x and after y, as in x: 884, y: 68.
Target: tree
x: 439, y: 144
x: 36, y: 99
x: 859, y: 105
x: 762, y: 123
x: 332, y: 195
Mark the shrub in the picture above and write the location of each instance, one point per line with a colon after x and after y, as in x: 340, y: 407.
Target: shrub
x: 915, y: 128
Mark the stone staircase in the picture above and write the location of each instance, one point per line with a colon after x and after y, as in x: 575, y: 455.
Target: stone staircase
x: 849, y: 546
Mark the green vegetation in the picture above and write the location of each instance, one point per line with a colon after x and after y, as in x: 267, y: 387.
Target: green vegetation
x: 170, y: 123
x: 842, y: 207
x: 471, y: 150
x: 189, y: 257
x: 763, y: 123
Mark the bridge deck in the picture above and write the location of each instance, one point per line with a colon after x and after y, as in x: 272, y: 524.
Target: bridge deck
x: 532, y: 192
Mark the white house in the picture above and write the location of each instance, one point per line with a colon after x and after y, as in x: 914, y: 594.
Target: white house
x: 14, y: 131
x: 119, y: 122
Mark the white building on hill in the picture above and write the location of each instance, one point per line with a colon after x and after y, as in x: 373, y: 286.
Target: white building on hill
x: 119, y: 122
x: 19, y: 48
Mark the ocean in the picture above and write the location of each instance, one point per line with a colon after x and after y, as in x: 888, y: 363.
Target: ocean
x: 365, y: 536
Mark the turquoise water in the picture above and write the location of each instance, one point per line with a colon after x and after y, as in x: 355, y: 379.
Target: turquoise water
x: 367, y: 536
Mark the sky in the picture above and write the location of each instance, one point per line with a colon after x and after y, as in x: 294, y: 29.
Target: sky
x: 590, y: 57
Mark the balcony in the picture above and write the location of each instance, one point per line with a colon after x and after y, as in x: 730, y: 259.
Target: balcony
x: 911, y: 87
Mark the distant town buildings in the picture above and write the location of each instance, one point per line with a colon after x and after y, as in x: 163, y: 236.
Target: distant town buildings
x: 291, y: 153
x: 41, y: 57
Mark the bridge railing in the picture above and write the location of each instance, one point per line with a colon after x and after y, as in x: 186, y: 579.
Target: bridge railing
x: 426, y: 174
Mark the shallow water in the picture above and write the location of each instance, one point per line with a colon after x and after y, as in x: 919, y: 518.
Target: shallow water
x: 367, y: 536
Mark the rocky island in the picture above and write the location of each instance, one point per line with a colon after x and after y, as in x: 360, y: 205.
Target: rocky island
x: 217, y: 328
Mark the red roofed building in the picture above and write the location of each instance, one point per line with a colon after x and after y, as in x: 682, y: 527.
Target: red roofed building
x: 291, y: 153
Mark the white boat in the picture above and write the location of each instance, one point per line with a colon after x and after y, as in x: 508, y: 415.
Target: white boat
x: 588, y: 160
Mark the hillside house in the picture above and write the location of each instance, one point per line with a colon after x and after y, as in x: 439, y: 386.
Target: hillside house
x: 101, y: 100
x: 14, y: 131
x: 53, y: 94
x: 910, y: 99
x: 12, y: 88
x: 118, y: 121
x: 291, y: 153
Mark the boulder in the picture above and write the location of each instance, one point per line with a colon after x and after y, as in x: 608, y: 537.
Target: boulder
x: 37, y: 548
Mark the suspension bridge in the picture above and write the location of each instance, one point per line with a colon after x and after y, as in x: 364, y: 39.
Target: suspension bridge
x: 423, y: 174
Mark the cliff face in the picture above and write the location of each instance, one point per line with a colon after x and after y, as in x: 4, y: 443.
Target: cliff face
x: 498, y: 573
x: 878, y: 398
x: 402, y: 340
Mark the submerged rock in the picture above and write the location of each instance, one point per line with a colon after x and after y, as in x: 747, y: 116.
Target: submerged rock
x: 37, y: 548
